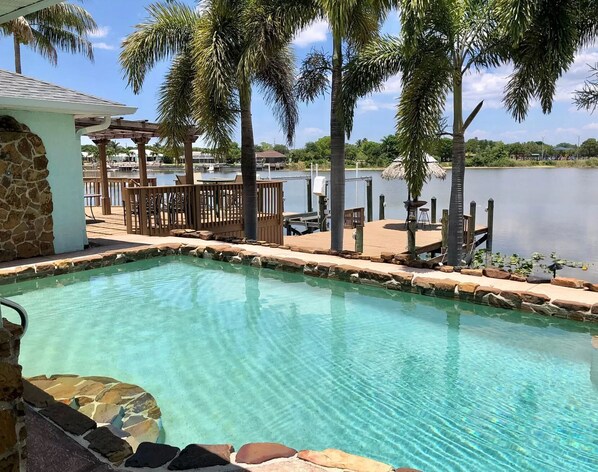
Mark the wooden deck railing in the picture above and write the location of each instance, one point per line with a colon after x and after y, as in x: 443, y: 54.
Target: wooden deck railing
x: 93, y: 185
x: 218, y: 208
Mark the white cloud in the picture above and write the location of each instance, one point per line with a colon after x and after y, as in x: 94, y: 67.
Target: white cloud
x: 393, y: 85
x: 105, y: 46
x: 591, y: 126
x: 515, y: 135
x: 478, y: 133
x: 100, y: 32
x: 317, y: 32
x: 313, y: 131
x: 369, y: 104
x: 572, y: 131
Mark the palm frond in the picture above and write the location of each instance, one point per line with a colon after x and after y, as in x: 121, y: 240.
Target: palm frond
x: 587, y: 97
x: 314, y: 76
x: 43, y: 46
x: 61, y: 39
x: 368, y: 70
x: 217, y: 45
x: 175, y: 103
x: 543, y: 51
x: 277, y: 80
x: 19, y: 27
x: 165, y: 33
x: 426, y: 82
x: 64, y: 15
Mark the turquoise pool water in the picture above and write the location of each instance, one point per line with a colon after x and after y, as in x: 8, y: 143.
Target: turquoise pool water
x: 235, y: 355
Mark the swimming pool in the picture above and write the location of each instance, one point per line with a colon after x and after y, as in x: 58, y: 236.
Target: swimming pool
x: 235, y: 354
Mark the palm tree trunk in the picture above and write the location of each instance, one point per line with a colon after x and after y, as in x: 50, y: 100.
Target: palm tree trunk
x: 248, y: 166
x: 337, y: 148
x: 455, y: 235
x: 17, y: 46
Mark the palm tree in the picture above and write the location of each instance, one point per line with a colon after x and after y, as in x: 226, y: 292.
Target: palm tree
x: 547, y: 35
x: 63, y: 26
x: 440, y: 43
x: 353, y: 23
x: 219, y: 53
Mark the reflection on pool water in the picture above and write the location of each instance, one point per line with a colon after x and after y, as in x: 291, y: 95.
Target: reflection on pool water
x: 233, y: 354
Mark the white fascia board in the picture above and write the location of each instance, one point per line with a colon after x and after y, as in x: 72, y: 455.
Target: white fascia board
x: 28, y: 6
x: 68, y: 108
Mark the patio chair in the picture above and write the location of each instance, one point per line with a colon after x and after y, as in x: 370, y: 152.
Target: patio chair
x: 178, y: 204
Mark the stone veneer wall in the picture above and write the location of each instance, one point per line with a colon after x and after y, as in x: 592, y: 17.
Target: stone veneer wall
x: 12, y: 412
x: 26, y: 225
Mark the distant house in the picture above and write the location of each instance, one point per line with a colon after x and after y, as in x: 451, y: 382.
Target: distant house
x: 273, y: 159
x: 203, y: 158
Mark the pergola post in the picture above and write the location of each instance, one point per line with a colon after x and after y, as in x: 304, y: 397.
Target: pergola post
x: 105, y: 198
x: 141, y: 141
x: 189, y: 140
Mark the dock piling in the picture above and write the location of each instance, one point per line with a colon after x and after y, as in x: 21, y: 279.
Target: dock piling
x: 359, y: 239
x: 381, y: 211
x: 322, y: 213
x: 310, y: 206
x: 433, y: 211
x: 471, y: 225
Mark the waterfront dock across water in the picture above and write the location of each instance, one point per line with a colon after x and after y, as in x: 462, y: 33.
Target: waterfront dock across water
x: 380, y: 236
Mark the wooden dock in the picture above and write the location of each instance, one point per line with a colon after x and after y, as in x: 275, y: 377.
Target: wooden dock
x: 378, y: 237
x: 105, y: 225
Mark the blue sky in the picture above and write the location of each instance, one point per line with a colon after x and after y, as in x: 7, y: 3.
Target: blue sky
x: 374, y: 115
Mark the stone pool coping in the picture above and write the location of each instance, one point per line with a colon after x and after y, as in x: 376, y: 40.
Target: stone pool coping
x: 543, y: 299
x: 109, y: 448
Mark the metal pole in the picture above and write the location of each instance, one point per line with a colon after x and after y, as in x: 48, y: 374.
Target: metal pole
x: 369, y: 197
x: 490, y: 233
x: 381, y: 214
x: 356, y: 184
x: 310, y: 206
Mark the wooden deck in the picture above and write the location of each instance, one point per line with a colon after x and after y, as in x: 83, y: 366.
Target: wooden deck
x: 378, y: 237
x: 105, y: 225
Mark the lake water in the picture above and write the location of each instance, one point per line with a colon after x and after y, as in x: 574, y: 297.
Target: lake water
x: 536, y: 210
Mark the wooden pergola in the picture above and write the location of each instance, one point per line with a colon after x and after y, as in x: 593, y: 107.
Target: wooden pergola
x: 140, y: 132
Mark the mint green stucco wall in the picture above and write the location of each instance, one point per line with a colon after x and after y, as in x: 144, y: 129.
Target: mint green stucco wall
x: 63, y: 150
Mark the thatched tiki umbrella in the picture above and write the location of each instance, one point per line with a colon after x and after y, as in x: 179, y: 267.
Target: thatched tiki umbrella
x: 395, y: 171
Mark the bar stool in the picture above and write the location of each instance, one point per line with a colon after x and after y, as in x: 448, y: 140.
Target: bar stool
x: 424, y: 217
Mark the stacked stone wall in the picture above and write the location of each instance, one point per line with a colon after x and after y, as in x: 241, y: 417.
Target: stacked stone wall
x: 26, y: 225
x: 12, y: 413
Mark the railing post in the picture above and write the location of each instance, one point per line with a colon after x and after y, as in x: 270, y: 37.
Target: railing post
x: 197, y: 195
x: 143, y: 216
x: 444, y: 231
x: 490, y: 225
x: 433, y: 211
x: 381, y: 211
x: 310, y: 206
x: 127, y: 209
x: 369, y: 199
